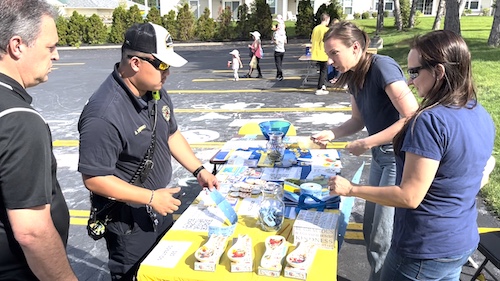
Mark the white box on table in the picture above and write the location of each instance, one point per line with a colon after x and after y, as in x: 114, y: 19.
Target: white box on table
x: 318, y: 227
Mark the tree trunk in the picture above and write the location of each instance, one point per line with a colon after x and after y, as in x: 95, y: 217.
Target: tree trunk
x: 411, y: 21
x: 380, y: 17
x: 451, y: 19
x: 439, y: 15
x: 462, y: 8
x: 494, y: 39
x: 397, y: 15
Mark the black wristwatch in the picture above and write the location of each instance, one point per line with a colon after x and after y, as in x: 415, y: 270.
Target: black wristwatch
x: 197, y: 171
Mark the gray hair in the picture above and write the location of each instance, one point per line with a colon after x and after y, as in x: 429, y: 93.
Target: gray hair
x: 22, y: 18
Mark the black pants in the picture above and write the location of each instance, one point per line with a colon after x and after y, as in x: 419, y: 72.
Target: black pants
x: 130, y: 237
x: 323, y: 73
x: 278, y: 60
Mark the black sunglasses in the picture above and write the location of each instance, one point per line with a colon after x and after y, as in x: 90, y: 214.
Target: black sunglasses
x: 156, y: 63
x: 415, y: 71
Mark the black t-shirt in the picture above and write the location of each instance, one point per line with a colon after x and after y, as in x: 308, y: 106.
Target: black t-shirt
x: 27, y: 174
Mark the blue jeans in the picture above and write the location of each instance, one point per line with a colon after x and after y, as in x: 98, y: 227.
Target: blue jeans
x: 399, y: 268
x: 378, y: 220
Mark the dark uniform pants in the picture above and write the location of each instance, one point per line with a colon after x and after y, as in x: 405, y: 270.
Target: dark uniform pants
x: 130, y: 237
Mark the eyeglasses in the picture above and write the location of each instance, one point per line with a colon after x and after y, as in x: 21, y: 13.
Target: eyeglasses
x: 156, y: 63
x: 415, y: 71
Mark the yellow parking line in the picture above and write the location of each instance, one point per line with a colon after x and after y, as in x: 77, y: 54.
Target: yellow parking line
x: 63, y: 143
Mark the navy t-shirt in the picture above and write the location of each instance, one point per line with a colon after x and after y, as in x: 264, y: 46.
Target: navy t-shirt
x: 444, y: 224
x: 374, y: 104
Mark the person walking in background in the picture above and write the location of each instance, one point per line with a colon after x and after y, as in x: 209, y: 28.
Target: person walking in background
x: 279, y: 40
x: 332, y: 73
x: 128, y: 136
x: 381, y: 101
x: 441, y: 154
x: 235, y: 63
x: 34, y: 217
x: 318, y: 53
x: 256, y: 53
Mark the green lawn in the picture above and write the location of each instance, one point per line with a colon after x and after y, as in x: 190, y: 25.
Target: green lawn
x: 486, y: 72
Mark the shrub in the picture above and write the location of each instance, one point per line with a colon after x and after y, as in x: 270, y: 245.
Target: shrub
x: 467, y: 12
x: 95, y: 31
x: 335, y: 10
x: 374, y: 15
x: 205, y: 26
x: 305, y: 19
x: 485, y: 12
x: 243, y: 27
x: 185, y: 23
x: 317, y: 17
x: 119, y: 25
x: 224, y: 26
x: 62, y: 30
x: 76, y: 28
x: 261, y: 19
x: 154, y: 16
x: 133, y: 16
x: 365, y: 15
x: 386, y: 14
x: 356, y: 16
x: 168, y: 21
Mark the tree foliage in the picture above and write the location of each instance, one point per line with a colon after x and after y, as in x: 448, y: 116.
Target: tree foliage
x: 62, y: 30
x: 243, y: 27
x: 95, y: 31
x: 305, y: 19
x: 224, y: 26
x: 185, y: 23
x: 261, y: 19
x: 168, y: 21
x: 133, y: 16
x: 154, y: 16
x: 118, y: 26
x: 205, y: 26
x: 76, y: 29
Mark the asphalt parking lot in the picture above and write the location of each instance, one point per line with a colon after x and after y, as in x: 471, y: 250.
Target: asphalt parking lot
x: 210, y: 107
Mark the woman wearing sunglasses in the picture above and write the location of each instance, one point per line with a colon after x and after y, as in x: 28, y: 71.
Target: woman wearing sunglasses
x: 381, y: 101
x: 441, y: 153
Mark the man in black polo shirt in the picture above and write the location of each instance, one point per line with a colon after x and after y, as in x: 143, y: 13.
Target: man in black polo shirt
x: 128, y: 119
x: 34, y: 218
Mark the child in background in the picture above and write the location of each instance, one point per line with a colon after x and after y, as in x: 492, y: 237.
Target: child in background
x: 236, y: 63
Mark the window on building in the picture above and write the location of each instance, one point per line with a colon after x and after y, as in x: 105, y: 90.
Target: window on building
x: 425, y: 6
x: 272, y: 5
x: 473, y: 5
x: 194, y: 5
x: 388, y: 6
x: 233, y: 5
x: 347, y: 5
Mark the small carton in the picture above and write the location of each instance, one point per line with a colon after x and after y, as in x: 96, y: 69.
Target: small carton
x: 240, y: 254
x: 300, y: 260
x: 209, y: 254
x: 320, y: 228
x: 271, y: 263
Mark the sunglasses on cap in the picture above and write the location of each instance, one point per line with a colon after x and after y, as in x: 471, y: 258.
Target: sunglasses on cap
x: 156, y: 63
x: 414, y: 72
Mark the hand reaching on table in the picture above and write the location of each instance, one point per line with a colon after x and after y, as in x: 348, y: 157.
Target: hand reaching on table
x: 357, y: 147
x: 163, y: 201
x: 207, y: 179
x: 340, y: 186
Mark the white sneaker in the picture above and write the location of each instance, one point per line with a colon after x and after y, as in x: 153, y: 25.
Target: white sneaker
x: 320, y: 92
x: 323, y: 88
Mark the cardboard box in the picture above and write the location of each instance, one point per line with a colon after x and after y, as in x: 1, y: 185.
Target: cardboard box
x: 320, y: 228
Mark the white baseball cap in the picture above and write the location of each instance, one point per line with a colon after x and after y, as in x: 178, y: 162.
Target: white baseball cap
x: 153, y: 39
x: 235, y: 53
x: 255, y: 34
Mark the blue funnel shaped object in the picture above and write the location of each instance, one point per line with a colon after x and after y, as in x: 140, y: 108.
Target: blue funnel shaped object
x: 274, y: 126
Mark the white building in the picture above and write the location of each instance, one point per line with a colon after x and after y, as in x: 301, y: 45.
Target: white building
x: 288, y: 8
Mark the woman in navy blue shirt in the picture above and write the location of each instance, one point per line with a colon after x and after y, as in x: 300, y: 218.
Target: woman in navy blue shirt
x: 440, y: 153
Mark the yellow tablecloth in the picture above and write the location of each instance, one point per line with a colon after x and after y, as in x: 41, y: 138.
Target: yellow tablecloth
x: 324, y: 266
